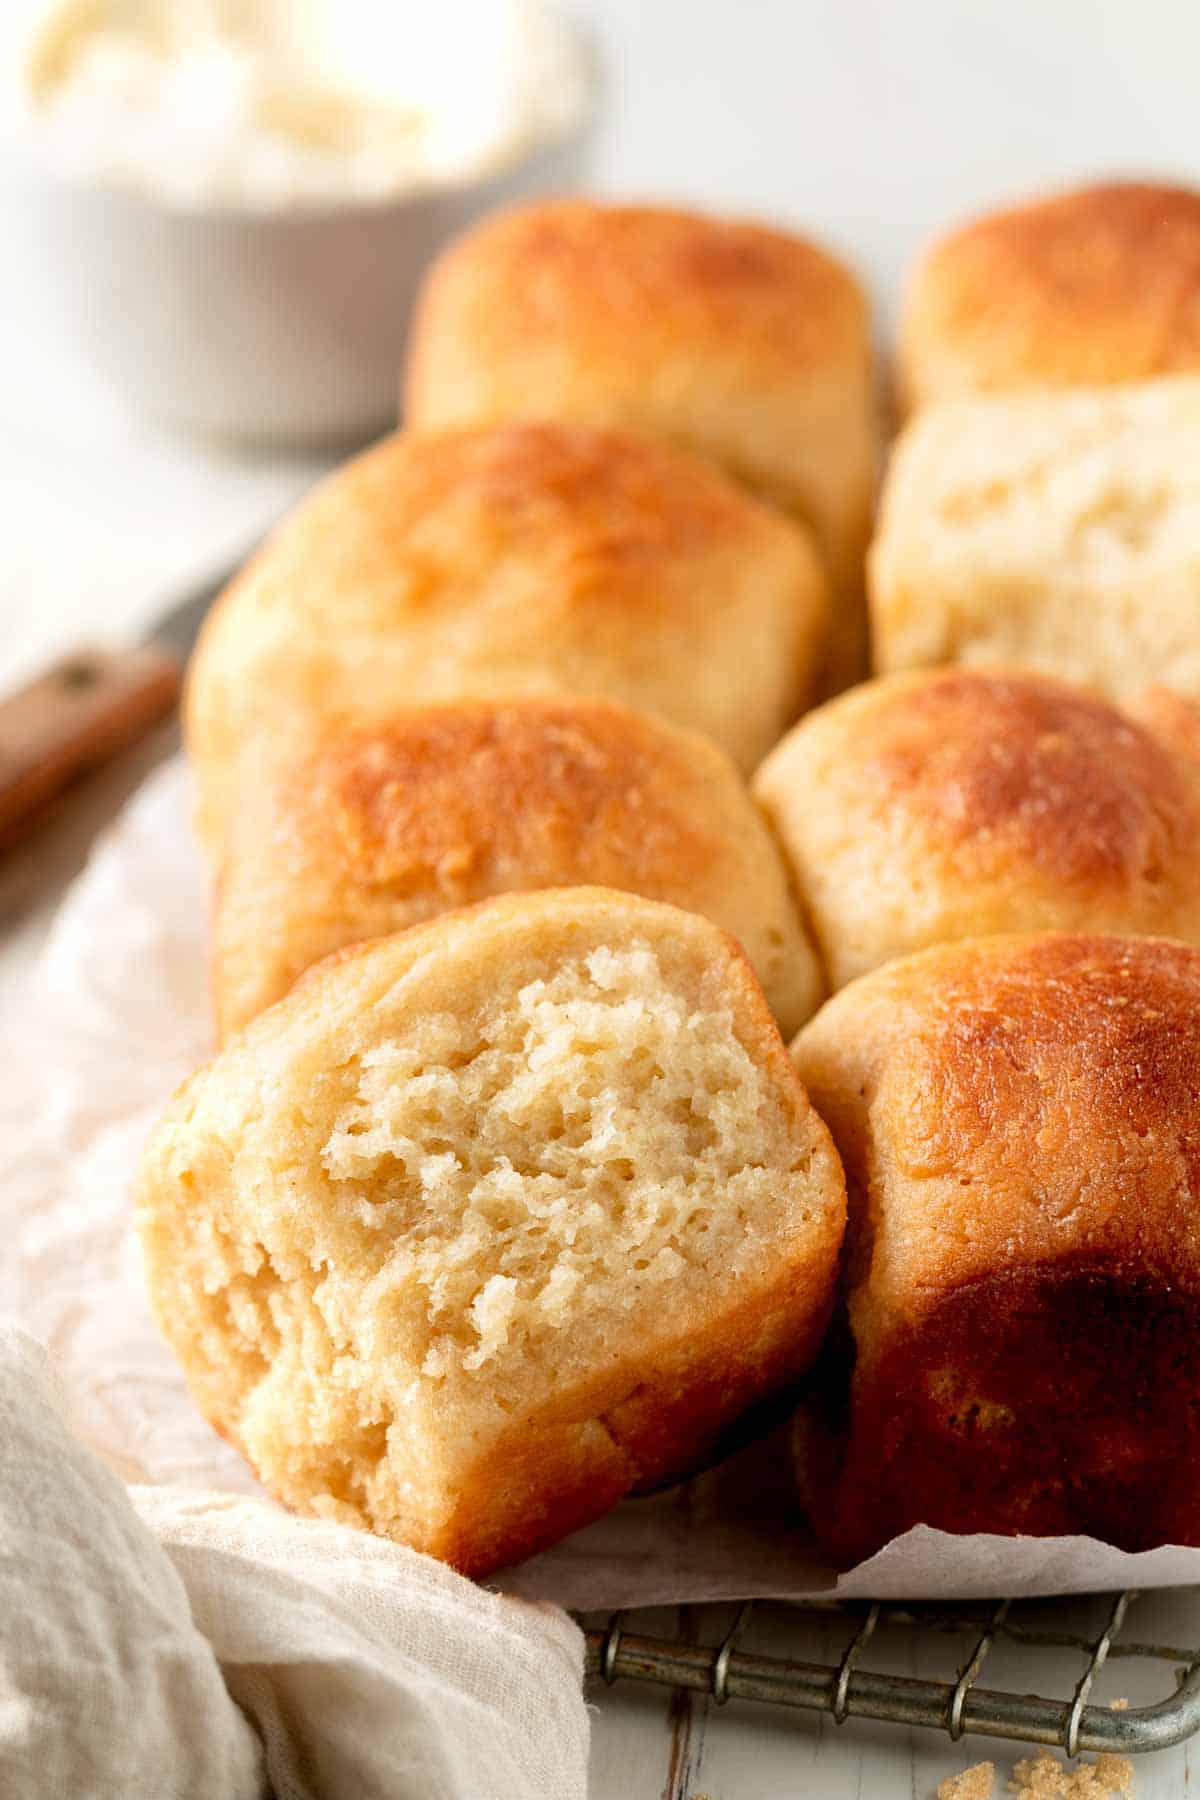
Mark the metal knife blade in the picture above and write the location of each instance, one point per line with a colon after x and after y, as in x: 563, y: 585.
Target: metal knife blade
x: 177, y: 629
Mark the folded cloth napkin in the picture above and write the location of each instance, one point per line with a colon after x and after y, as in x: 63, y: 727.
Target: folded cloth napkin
x: 165, y: 1644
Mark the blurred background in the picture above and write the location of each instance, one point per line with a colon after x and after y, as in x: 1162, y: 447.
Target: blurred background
x: 867, y: 124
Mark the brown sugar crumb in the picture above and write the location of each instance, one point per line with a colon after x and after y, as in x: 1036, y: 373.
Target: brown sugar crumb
x: 1045, y: 1778
x: 973, y: 1784
x: 1121, y: 1705
x: 1039, y: 1778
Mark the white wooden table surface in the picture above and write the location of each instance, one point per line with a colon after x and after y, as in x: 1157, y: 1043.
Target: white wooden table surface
x: 871, y: 124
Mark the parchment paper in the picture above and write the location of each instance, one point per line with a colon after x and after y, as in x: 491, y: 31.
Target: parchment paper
x: 117, y: 1015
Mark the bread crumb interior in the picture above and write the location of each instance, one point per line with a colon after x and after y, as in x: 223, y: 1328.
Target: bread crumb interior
x: 587, y: 1146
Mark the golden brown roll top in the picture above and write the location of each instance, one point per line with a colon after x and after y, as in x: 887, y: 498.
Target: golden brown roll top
x: 1058, y: 530
x: 520, y: 559
x: 345, y: 834
x: 745, y: 345
x: 1085, y: 288
x: 1019, y: 1122
x: 487, y: 1223
x: 954, y: 803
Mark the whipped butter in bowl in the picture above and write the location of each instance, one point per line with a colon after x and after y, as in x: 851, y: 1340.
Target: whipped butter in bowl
x: 233, y: 200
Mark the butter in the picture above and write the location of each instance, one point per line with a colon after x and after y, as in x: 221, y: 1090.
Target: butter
x: 278, y: 103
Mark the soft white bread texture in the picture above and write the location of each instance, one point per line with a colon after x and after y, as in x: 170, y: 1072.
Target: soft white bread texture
x: 748, y: 346
x: 1098, y: 285
x: 954, y: 803
x: 1058, y: 530
x: 519, y: 559
x: 489, y: 1223
x: 344, y: 834
x: 1018, y: 1121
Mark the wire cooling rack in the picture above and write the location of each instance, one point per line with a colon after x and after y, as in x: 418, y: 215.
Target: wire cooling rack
x: 711, y: 1653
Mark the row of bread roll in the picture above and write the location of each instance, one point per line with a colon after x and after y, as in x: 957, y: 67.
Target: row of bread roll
x: 394, y: 710
x: 1055, y: 532
x: 1043, y: 505
x: 476, y: 1227
x: 917, y: 809
x: 1017, y: 1116
x: 491, y: 565
x: 1019, y: 1349
x: 493, y: 1221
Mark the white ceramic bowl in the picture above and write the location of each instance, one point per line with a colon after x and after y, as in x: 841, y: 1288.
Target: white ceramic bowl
x: 284, y: 327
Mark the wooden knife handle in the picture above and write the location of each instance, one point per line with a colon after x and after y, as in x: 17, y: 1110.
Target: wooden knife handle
x: 72, y: 719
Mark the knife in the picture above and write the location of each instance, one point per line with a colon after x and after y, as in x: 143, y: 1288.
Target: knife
x: 87, y: 708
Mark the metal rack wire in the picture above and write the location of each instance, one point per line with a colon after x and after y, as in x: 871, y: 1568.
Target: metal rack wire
x: 849, y: 1688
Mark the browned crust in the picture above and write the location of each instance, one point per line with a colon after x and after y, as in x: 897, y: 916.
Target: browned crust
x: 936, y: 805
x: 588, y: 281
x: 748, y: 346
x: 346, y: 834
x: 1002, y: 767
x: 1017, y: 1117
x: 942, y: 1074
x: 1101, y: 284
x: 597, y: 505
x: 1037, y: 1401
x: 1021, y: 764
x: 515, y: 558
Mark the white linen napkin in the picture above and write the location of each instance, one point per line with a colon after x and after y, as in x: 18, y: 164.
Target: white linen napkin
x: 165, y: 1644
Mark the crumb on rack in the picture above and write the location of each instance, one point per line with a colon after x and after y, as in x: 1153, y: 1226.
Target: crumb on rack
x: 1121, y: 1705
x: 976, y: 1783
x: 1045, y: 1778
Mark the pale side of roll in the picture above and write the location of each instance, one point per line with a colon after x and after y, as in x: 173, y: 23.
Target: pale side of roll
x: 1060, y: 530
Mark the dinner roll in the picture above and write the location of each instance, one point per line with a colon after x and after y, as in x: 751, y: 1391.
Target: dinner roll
x: 516, y: 559
x: 746, y: 345
x: 491, y: 1222
x: 951, y: 803
x: 1018, y: 1121
x: 350, y: 834
x: 1060, y: 530
x: 1098, y: 285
